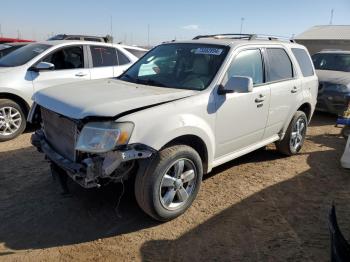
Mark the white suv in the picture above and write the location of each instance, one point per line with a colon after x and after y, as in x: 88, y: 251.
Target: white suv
x: 181, y: 110
x: 39, y: 65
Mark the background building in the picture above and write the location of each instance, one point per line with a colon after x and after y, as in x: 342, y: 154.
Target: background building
x: 322, y: 37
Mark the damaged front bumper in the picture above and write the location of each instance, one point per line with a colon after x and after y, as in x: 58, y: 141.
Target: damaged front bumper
x: 88, y: 171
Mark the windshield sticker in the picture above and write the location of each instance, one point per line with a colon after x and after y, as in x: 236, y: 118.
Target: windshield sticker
x: 208, y: 51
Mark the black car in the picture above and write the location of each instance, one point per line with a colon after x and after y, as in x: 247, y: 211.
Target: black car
x: 333, y: 71
x: 106, y: 39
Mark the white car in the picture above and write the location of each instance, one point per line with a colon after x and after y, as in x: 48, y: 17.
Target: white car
x: 181, y: 110
x: 43, y: 64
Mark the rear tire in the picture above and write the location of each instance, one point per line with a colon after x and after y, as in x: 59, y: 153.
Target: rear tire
x: 167, y: 188
x: 294, y: 138
x: 12, y: 120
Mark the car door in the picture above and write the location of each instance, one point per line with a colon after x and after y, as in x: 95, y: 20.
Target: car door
x: 241, y: 117
x: 103, y: 61
x: 285, y: 89
x: 70, y: 66
x: 123, y: 63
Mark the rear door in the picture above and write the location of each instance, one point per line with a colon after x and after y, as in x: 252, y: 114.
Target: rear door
x: 103, y: 61
x: 70, y: 66
x: 286, y: 89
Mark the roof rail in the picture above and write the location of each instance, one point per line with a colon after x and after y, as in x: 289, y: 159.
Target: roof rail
x: 246, y: 36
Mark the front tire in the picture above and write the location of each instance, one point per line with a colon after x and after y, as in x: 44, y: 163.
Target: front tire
x: 294, y: 138
x: 12, y: 120
x: 170, y: 184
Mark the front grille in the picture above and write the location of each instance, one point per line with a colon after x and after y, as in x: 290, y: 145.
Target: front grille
x: 60, y: 133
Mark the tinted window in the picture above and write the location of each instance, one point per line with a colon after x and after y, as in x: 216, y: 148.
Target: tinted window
x: 23, y: 55
x: 303, y: 61
x: 248, y: 63
x: 122, y: 59
x: 67, y: 58
x: 280, y: 66
x: 93, y: 39
x: 332, y: 61
x: 103, y: 56
x: 183, y: 66
x: 135, y: 52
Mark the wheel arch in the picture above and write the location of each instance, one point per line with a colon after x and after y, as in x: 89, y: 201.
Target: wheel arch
x: 307, y: 109
x: 19, y: 100
x: 196, y: 143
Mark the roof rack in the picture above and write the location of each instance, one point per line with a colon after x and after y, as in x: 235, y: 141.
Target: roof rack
x: 246, y: 36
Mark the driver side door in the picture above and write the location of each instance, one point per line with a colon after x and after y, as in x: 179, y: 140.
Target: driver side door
x: 241, y: 117
x: 70, y: 66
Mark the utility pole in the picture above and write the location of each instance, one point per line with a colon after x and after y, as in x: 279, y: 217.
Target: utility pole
x: 148, y: 29
x: 242, y: 21
x: 0, y: 31
x: 331, y: 20
x: 112, y: 27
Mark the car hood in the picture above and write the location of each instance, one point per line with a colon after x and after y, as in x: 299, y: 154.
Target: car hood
x: 7, y: 69
x: 336, y: 77
x: 104, y: 98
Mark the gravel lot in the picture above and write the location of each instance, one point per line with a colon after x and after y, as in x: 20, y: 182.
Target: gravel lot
x: 261, y: 207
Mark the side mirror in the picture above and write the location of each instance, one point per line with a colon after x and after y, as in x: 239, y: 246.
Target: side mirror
x: 42, y: 66
x: 239, y: 84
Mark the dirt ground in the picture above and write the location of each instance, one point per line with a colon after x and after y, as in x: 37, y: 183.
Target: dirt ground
x: 261, y: 207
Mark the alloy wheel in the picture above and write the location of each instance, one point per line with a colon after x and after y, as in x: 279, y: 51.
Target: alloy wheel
x: 178, y: 184
x: 10, y: 120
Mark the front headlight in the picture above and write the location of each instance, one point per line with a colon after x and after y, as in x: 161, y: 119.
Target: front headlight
x: 101, y: 137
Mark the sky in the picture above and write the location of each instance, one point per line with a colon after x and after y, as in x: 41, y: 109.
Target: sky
x: 166, y: 20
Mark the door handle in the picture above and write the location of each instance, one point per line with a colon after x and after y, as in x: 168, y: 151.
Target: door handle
x: 260, y: 99
x: 80, y: 74
x: 294, y: 90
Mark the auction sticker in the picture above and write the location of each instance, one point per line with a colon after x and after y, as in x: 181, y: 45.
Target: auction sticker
x: 208, y: 51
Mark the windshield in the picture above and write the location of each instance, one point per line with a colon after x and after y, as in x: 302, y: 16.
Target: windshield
x: 56, y: 37
x: 23, y: 55
x: 332, y: 61
x: 185, y: 66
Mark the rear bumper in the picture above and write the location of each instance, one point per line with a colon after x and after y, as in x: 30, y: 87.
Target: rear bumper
x: 89, y: 170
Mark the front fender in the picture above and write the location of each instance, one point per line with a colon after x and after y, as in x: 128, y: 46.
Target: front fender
x: 157, y: 132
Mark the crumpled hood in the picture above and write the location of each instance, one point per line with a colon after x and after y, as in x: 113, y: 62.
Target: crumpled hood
x: 105, y: 98
x: 336, y: 77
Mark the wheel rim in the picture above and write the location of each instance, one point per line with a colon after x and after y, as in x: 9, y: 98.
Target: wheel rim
x: 298, y: 133
x: 10, y: 120
x: 178, y: 184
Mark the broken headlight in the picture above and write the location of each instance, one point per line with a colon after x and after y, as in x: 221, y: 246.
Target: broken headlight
x: 101, y: 137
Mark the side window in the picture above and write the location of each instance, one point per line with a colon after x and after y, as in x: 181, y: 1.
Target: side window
x: 103, y: 56
x: 122, y: 59
x: 303, y: 61
x: 67, y: 58
x: 280, y: 66
x: 248, y: 63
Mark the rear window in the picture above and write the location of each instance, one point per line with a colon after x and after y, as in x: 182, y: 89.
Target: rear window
x: 122, y: 59
x: 303, y: 61
x: 135, y: 52
x: 280, y: 66
x: 103, y: 56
